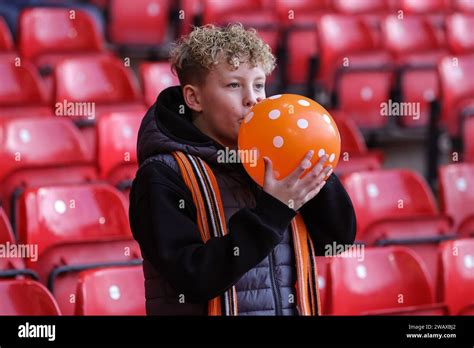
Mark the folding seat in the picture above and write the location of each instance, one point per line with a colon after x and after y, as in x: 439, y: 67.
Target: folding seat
x: 457, y: 259
x: 322, y: 263
x: 76, y: 227
x: 301, y: 13
x: 10, y: 265
x: 191, y: 10
x: 457, y: 91
x: 251, y: 13
x: 396, y: 207
x: 434, y: 10
x: 6, y: 41
x: 381, y: 281
x: 143, y: 22
x: 21, y: 90
x: 47, y: 35
x: 40, y: 151
x: 466, y: 6
x: 355, y: 68
x: 26, y: 297
x: 414, y: 44
x: 117, y: 141
x: 468, y: 139
x: 155, y: 78
x: 111, y: 291
x: 354, y: 153
x: 102, y: 83
x: 456, y: 184
x: 459, y: 33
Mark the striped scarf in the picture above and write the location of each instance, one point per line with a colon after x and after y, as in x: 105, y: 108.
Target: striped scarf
x: 202, y: 183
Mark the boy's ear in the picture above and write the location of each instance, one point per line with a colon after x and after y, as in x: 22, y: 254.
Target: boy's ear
x: 192, y: 97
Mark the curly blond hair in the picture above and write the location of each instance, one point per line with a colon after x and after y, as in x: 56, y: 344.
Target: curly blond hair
x: 195, y: 54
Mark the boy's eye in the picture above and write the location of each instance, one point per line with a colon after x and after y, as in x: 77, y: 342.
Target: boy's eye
x: 233, y: 85
x: 259, y: 85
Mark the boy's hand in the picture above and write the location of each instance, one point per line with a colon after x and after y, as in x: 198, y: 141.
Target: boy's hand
x: 292, y: 190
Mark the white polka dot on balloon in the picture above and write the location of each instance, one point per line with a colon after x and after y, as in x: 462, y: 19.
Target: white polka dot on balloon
x: 321, y: 152
x: 276, y: 96
x: 278, y: 141
x: 249, y: 117
x: 303, y: 102
x: 332, y: 157
x: 302, y: 123
x: 326, y: 119
x: 274, y: 114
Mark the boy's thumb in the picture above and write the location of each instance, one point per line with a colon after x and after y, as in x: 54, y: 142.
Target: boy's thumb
x: 268, y: 169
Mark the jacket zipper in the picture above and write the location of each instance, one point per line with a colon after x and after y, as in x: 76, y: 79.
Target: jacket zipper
x: 276, y: 294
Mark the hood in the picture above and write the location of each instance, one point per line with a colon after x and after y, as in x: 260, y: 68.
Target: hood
x: 167, y: 127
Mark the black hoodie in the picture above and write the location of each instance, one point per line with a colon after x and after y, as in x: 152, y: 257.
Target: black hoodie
x: 181, y: 272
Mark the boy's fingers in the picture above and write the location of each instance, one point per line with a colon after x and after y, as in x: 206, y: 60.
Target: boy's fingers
x: 268, y: 176
x: 311, y: 194
x: 315, y: 172
x: 305, y: 164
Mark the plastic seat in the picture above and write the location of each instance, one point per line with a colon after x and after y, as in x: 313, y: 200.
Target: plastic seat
x: 457, y: 90
x: 301, y: 13
x: 434, y: 10
x: 457, y: 258
x: 466, y: 6
x: 456, y: 183
x: 142, y: 22
x: 26, y: 297
x: 40, y: 151
x: 117, y: 142
x: 468, y: 139
x: 322, y: 263
x: 47, y: 35
x: 155, y: 78
x: 396, y: 207
x: 6, y: 40
x: 354, y: 153
x: 9, y: 266
x: 21, y: 90
x: 111, y: 291
x: 458, y: 33
x: 76, y: 227
x: 385, y: 281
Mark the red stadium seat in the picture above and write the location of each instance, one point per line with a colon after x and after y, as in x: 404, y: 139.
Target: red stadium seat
x: 117, y: 142
x: 8, y: 265
x: 26, y: 297
x: 322, y: 263
x: 457, y: 258
x: 143, y: 22
x: 302, y: 48
x: 301, y: 13
x: 435, y: 10
x: 457, y: 90
x: 76, y: 227
x: 156, y: 77
x: 354, y: 153
x: 21, y: 90
x: 6, y: 41
x: 456, y: 183
x: 40, y: 151
x: 190, y: 10
x: 101, y: 81
x: 381, y: 281
x: 468, y: 138
x: 397, y: 207
x: 466, y: 6
x: 47, y: 35
x: 111, y: 291
x: 347, y: 41
x: 459, y: 33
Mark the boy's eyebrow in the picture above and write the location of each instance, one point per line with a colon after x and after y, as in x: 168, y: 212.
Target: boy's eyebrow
x: 240, y: 77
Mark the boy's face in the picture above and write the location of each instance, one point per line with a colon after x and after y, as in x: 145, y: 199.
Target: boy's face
x: 226, y: 97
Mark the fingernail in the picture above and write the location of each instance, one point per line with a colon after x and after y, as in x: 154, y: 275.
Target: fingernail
x: 311, y: 153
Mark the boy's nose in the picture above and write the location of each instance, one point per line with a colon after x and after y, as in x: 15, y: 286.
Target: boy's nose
x: 252, y: 100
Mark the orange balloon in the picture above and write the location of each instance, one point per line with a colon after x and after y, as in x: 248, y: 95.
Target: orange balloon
x: 285, y: 127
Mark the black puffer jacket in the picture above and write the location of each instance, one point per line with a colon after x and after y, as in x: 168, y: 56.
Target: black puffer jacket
x: 181, y: 272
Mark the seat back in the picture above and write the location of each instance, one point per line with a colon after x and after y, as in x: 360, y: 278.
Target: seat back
x: 155, y: 78
x: 111, y: 291
x: 26, y: 297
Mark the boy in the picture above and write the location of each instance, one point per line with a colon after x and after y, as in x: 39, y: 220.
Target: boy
x: 222, y: 75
